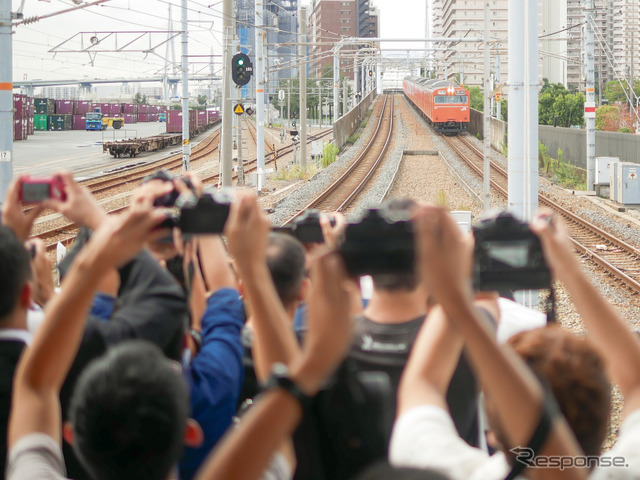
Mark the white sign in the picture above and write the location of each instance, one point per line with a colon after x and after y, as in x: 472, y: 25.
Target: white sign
x: 280, y: 95
x: 316, y: 147
x: 632, y: 174
x: 5, y: 156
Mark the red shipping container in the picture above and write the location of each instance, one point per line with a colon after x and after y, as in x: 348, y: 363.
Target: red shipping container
x: 202, y: 117
x: 174, y: 121
x: 134, y: 118
x: 143, y: 117
x: 130, y: 108
x: 64, y: 107
x: 105, y: 108
x: 153, y: 117
x: 82, y: 107
x: 143, y: 109
x: 19, y: 106
x: 128, y: 118
x: 95, y: 105
x: 193, y: 119
x: 18, y: 129
x: 114, y: 109
x: 212, y: 116
x: 78, y: 122
x: 30, y: 125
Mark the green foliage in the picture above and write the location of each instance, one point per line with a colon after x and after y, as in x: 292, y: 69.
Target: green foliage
x: 441, y: 198
x: 625, y: 130
x: 504, y: 112
x: 140, y: 99
x: 566, y: 175
x: 505, y: 149
x: 476, y: 98
x: 556, y: 100
x: 202, y: 99
x: 614, y: 91
x: 329, y: 153
x: 296, y: 172
x: 353, y: 138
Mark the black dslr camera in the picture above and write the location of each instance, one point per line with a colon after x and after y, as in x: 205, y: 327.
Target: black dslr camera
x: 382, y: 242
x: 169, y: 199
x: 205, y: 215
x: 508, y: 256
x: 306, y: 228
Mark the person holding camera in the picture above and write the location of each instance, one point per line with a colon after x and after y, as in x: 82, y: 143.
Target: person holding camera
x: 523, y: 411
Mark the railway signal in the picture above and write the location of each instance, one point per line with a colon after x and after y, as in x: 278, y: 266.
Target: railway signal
x: 241, y: 69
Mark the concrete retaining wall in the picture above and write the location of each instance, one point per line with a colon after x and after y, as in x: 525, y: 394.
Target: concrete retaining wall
x: 349, y: 123
x: 571, y: 141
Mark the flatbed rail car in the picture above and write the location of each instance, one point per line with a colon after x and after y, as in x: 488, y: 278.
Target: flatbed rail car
x: 135, y: 146
x: 444, y: 104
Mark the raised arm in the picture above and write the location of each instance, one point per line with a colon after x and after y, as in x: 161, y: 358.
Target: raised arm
x: 512, y: 387
x: 247, y: 231
x: 246, y: 450
x: 45, y: 363
x: 618, y: 346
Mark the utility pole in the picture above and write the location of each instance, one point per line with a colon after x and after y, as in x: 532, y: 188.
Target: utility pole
x: 590, y: 104
x: 486, y: 165
x: 259, y: 36
x: 6, y: 100
x: 303, y: 88
x: 344, y: 95
x: 227, y: 107
x: 498, y: 80
x: 320, y: 101
x: 186, y: 148
x: 288, y: 102
x: 336, y: 79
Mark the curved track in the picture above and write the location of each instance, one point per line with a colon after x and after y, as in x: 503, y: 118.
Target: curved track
x: 342, y: 192
x: 613, y: 254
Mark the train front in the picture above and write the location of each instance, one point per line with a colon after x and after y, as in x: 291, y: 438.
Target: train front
x: 450, y: 114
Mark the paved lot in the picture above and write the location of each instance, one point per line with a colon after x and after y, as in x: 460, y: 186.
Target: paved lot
x: 81, y: 151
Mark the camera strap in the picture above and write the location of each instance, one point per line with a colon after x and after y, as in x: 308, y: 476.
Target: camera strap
x: 541, y: 433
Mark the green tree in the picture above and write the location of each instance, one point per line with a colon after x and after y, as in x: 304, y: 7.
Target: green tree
x: 137, y: 98
x: 476, y: 98
x: 614, y: 91
x: 570, y: 109
x: 202, y: 99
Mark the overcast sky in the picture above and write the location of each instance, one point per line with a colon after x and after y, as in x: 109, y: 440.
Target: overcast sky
x: 32, y: 43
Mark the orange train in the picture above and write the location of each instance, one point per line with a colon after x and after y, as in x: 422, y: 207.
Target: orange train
x: 443, y: 103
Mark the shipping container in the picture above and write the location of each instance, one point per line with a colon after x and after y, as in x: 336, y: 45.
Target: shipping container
x: 212, y: 116
x: 134, y: 118
x: 64, y: 107
x: 202, y: 117
x: 152, y: 117
x: 128, y: 118
x: 60, y: 122
x: 19, y: 129
x: 45, y: 106
x: 143, y: 108
x: 131, y: 108
x: 81, y: 107
x: 114, y: 109
x: 40, y: 121
x: 19, y: 106
x: 174, y: 121
x: 143, y: 117
x: 105, y: 108
x: 79, y: 122
x: 96, y: 105
x: 30, y: 125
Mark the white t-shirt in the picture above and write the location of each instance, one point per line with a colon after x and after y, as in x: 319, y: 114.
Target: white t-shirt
x: 425, y: 437
x: 36, y: 456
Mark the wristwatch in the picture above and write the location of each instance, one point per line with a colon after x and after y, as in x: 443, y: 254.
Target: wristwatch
x: 280, y: 378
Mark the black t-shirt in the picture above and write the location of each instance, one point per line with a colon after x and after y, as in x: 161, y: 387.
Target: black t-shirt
x: 350, y: 424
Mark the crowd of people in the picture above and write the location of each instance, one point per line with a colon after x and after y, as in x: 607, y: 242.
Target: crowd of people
x: 250, y: 355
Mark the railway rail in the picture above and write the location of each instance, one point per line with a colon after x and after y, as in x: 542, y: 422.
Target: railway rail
x: 613, y: 254
x: 341, y: 193
x: 67, y: 232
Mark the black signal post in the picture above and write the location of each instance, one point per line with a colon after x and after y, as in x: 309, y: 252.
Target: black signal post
x: 241, y: 69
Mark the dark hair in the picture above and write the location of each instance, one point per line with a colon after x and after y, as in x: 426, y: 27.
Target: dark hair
x: 577, y: 377
x: 396, y: 281
x: 128, y: 412
x: 384, y: 471
x: 286, y: 262
x: 16, y: 270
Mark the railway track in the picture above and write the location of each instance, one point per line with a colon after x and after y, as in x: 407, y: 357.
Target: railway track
x: 614, y: 255
x: 341, y: 193
x: 66, y: 233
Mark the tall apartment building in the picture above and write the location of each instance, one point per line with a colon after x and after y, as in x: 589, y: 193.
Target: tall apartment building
x: 626, y: 41
x: 281, y: 20
x: 465, y: 18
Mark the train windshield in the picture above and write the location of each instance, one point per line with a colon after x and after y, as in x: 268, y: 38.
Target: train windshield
x: 459, y: 99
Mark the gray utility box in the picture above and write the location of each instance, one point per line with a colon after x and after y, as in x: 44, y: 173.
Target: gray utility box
x: 613, y: 179
x: 602, y: 169
x: 628, y: 179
